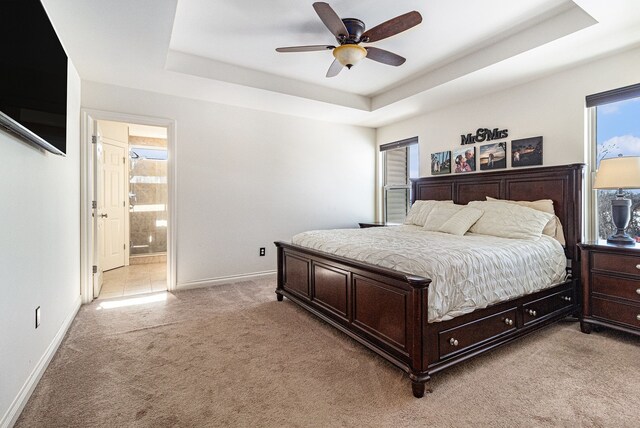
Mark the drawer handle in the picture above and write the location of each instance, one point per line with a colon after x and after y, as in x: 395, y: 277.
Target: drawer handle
x: 453, y: 342
x: 637, y: 290
x: 532, y: 312
x: 638, y: 266
x: 508, y: 321
x: 638, y: 317
x: 566, y: 298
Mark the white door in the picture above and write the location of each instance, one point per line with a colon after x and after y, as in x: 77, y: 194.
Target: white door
x: 111, y: 205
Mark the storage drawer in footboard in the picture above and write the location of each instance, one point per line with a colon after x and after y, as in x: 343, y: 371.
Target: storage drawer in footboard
x: 539, y: 309
x: 476, y: 332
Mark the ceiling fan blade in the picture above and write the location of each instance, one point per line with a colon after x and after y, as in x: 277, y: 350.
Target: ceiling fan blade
x: 334, y: 69
x: 309, y: 48
x: 331, y: 19
x: 392, y: 27
x: 385, y: 57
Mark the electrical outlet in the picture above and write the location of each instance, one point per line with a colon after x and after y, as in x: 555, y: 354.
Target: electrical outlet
x: 38, y: 317
x: 262, y: 251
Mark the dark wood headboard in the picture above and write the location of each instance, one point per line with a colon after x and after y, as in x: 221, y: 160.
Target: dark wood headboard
x: 561, y: 184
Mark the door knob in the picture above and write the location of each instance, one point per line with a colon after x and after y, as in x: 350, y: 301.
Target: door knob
x: 104, y: 215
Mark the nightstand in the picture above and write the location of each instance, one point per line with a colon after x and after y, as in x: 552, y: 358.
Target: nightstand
x: 610, y: 287
x: 376, y: 224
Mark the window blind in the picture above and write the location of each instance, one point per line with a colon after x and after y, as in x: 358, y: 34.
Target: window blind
x: 397, y: 190
x: 396, y: 167
x: 396, y: 184
x: 397, y: 201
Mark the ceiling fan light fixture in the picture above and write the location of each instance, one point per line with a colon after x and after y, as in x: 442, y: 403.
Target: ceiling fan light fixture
x: 350, y: 32
x: 349, y: 55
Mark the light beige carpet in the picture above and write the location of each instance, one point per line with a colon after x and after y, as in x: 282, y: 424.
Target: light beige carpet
x: 233, y: 356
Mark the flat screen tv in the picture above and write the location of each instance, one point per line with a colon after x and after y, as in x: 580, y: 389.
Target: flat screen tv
x: 33, y: 76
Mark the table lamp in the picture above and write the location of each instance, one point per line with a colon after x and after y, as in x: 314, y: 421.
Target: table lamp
x: 619, y: 173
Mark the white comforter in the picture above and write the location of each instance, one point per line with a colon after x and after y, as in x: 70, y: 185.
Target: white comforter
x: 467, y: 272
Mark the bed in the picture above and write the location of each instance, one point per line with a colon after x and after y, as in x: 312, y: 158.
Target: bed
x: 388, y: 310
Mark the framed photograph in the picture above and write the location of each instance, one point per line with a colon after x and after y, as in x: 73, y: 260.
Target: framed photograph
x: 464, y: 159
x: 526, y: 152
x: 493, y: 156
x: 441, y: 163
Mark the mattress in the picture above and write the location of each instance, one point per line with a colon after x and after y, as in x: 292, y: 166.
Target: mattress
x: 467, y: 272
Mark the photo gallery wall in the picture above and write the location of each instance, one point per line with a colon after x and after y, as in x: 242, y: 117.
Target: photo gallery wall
x: 487, y: 157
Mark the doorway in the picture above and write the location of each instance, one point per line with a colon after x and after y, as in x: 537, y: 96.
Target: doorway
x: 127, y: 245
x: 131, y: 209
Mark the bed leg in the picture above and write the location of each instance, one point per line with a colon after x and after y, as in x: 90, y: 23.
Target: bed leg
x: 280, y: 297
x: 585, y: 327
x: 419, y: 388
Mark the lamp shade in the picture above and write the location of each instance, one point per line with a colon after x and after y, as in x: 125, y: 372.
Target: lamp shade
x: 618, y: 173
x: 349, y: 55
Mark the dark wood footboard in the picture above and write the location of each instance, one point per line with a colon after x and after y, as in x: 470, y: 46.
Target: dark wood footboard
x: 386, y: 311
x: 383, y: 309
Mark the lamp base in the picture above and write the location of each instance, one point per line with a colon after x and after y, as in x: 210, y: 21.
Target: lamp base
x: 621, y: 239
x: 621, y: 214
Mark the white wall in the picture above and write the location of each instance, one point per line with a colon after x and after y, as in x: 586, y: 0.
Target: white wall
x: 553, y: 107
x: 247, y: 178
x: 39, y: 253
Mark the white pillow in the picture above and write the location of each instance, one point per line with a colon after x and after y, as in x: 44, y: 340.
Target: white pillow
x: 509, y: 220
x: 461, y: 221
x: 554, y: 227
x: 420, y: 211
x: 439, y: 216
x: 413, y: 212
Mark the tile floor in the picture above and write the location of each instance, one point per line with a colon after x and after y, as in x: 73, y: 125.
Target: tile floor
x: 134, y: 279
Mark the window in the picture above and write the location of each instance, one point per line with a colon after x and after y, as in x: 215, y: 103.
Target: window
x: 616, y: 116
x: 400, y: 160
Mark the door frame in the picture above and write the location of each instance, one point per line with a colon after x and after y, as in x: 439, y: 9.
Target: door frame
x: 87, y: 169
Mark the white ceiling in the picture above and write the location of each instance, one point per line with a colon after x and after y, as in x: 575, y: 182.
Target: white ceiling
x: 224, y: 51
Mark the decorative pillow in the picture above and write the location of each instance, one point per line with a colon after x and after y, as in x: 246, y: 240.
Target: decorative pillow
x: 509, y: 220
x: 420, y: 211
x: 413, y: 213
x: 439, y: 216
x: 461, y: 221
x: 553, y: 228
x: 559, y: 235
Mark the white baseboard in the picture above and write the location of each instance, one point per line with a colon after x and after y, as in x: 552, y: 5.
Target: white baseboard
x: 12, y: 414
x: 224, y: 280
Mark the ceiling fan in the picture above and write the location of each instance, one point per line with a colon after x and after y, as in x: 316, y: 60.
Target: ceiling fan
x: 350, y: 32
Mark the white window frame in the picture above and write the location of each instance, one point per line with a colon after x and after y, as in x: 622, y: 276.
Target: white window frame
x: 592, y: 102
x: 591, y: 195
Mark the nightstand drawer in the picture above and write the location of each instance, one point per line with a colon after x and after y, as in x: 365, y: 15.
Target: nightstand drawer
x: 619, y: 312
x: 616, y: 287
x: 616, y: 263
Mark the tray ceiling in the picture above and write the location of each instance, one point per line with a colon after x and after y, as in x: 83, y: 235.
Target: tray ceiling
x: 224, y: 51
